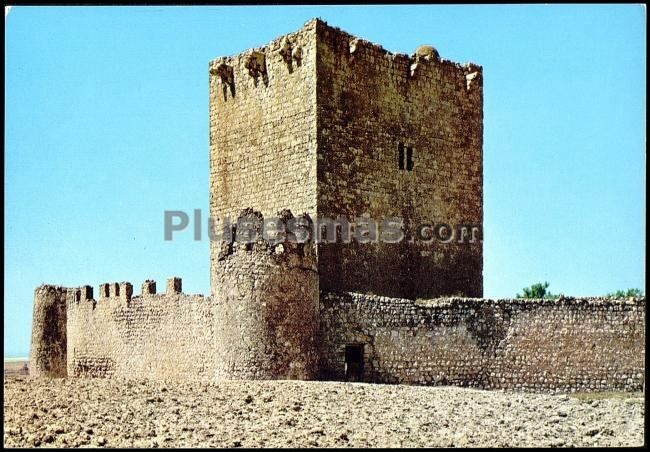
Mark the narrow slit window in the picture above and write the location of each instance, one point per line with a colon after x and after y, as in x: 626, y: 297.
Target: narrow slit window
x: 400, y: 155
x: 409, y: 159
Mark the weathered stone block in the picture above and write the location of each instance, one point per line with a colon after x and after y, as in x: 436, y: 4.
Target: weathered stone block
x: 174, y: 285
x: 86, y: 293
x: 113, y: 290
x: 149, y: 287
x: 126, y: 291
x: 104, y: 291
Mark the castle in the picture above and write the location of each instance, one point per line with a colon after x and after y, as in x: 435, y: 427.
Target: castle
x: 314, y: 137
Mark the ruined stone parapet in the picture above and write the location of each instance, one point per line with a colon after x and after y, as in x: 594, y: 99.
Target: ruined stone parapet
x: 226, y: 77
x: 267, y: 304
x: 425, y: 62
x: 48, y: 355
x: 266, y: 63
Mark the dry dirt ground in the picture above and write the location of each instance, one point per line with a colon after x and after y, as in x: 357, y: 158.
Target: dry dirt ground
x: 104, y: 412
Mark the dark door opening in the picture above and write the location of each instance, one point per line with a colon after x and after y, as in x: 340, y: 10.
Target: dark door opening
x: 354, y: 362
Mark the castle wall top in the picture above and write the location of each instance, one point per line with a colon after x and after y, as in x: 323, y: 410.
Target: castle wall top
x: 422, y: 52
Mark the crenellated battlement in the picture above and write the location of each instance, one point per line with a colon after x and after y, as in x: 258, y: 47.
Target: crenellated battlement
x: 121, y: 292
x: 121, y: 333
x: 268, y: 322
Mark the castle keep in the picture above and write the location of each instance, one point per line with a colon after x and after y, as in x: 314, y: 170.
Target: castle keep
x: 319, y: 124
x: 323, y: 123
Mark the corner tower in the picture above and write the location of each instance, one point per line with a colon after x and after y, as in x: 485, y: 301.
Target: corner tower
x: 324, y: 123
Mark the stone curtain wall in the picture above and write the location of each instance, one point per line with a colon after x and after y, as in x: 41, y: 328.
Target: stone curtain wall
x: 169, y: 335
x: 263, y: 130
x: 584, y: 344
x: 369, y: 101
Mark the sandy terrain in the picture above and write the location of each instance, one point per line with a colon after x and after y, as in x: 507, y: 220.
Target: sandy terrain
x: 103, y: 412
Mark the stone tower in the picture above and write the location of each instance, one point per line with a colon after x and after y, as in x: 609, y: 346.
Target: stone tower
x: 323, y: 123
x: 267, y: 321
x: 48, y: 352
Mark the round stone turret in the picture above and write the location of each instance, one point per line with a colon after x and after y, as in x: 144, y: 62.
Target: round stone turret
x: 268, y: 318
x: 48, y: 356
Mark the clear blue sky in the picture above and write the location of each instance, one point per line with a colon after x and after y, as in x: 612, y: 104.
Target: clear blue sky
x: 107, y: 126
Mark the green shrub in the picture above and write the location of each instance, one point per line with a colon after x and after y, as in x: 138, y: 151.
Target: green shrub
x: 637, y: 293
x: 538, y: 290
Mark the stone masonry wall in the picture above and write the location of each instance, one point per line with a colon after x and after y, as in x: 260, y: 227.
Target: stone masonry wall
x: 263, y: 130
x: 583, y: 344
x: 369, y: 101
x: 168, y: 335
